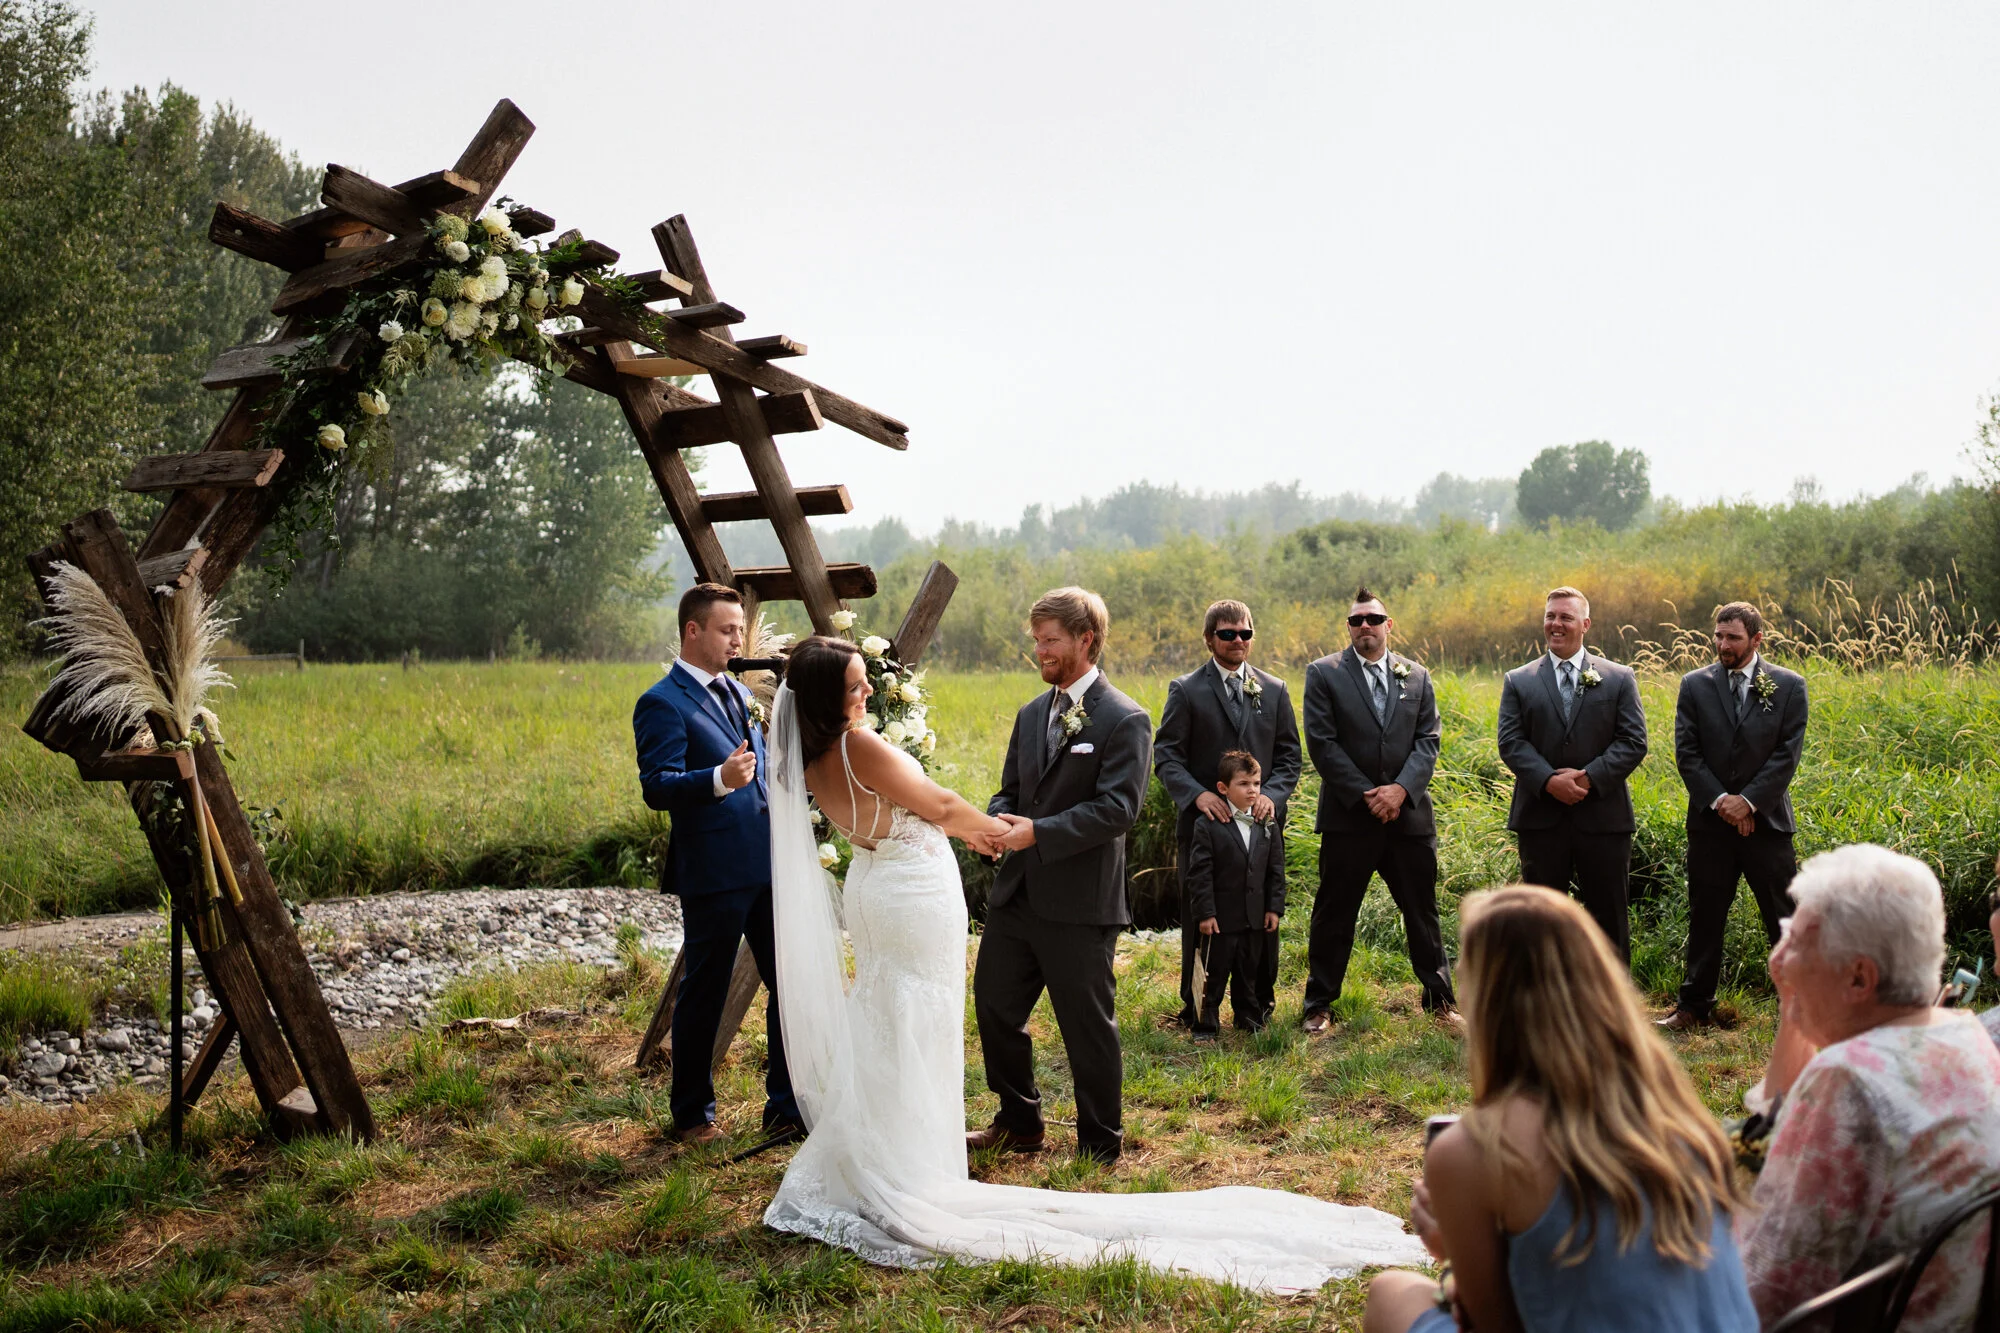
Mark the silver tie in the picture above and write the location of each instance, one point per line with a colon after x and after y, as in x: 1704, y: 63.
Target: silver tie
x: 1058, y: 705
x: 1568, y: 689
x: 1740, y: 685
x: 1381, y: 693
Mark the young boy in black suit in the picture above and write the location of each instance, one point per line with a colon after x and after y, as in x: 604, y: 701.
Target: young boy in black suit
x: 1236, y: 888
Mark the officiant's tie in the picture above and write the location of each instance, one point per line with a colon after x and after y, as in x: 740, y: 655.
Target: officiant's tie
x: 1568, y: 689
x: 1379, y: 688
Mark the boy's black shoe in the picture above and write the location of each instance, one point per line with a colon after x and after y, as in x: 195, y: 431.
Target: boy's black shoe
x: 1208, y: 1035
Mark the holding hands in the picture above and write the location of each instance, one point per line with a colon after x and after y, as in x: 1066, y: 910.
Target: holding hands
x: 1003, y: 833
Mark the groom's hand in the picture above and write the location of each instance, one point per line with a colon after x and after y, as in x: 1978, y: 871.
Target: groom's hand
x: 1020, y: 834
x: 739, y: 768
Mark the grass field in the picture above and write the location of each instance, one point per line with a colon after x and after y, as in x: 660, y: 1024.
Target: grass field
x: 521, y: 1182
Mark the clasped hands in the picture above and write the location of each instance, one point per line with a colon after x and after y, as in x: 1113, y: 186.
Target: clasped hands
x: 1568, y: 785
x: 1739, y: 814
x: 1007, y: 833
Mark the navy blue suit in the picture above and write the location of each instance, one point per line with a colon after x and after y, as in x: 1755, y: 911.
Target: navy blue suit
x: 719, y: 862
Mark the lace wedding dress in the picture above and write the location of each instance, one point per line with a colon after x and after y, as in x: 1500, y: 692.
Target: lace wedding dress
x: 878, y: 1063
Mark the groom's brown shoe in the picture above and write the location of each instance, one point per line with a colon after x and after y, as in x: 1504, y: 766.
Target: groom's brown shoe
x: 998, y: 1136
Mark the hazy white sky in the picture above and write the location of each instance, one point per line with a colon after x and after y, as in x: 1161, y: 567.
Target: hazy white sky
x: 1076, y: 245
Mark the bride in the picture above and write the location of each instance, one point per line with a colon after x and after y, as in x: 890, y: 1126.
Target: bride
x: 878, y: 1059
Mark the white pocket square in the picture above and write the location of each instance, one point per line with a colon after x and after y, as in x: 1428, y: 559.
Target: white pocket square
x: 1085, y: 748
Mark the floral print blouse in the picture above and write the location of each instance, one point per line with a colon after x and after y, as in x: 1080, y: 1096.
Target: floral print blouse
x: 1882, y: 1135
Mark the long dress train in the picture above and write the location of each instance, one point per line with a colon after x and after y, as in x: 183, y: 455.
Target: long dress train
x: 879, y: 1067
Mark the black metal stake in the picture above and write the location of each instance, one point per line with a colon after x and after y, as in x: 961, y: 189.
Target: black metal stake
x: 175, y: 1108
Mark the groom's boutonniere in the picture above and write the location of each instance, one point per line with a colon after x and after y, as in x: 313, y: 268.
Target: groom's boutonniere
x: 1253, y: 690
x: 1589, y: 679
x: 1074, y: 721
x: 1764, y: 687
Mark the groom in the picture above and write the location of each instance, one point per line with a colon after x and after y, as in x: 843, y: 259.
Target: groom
x: 1071, y: 789
x: 702, y: 761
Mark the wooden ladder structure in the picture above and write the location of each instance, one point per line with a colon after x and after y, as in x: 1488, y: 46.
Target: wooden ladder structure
x: 221, y: 499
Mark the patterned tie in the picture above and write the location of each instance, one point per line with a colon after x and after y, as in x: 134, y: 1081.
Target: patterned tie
x: 1233, y: 687
x: 727, y: 697
x: 1381, y: 692
x: 1058, y: 704
x: 1739, y: 684
x: 1568, y: 689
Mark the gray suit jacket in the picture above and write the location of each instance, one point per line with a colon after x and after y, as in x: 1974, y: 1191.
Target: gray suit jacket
x: 1605, y: 737
x: 1354, y: 752
x: 1083, y: 801
x: 1196, y: 728
x: 1754, y: 758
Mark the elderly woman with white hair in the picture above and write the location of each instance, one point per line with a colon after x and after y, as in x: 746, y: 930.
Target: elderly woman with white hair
x: 1895, y: 1116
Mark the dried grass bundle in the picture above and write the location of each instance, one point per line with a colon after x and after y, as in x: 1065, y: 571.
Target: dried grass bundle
x: 104, y: 678
x: 764, y: 641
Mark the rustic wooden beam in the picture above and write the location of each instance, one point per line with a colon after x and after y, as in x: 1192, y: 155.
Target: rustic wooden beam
x: 708, y: 315
x: 653, y: 367
x: 231, y: 530
x: 644, y: 406
x: 257, y: 238
x: 927, y: 609
x: 307, y: 286
x: 656, y: 1048
x: 398, y: 210
x: 530, y: 221
x: 811, y: 583
x: 229, y: 469
x: 491, y: 154
x: 255, y: 364
x: 281, y: 963
x: 231, y: 974
x: 779, y: 583
x: 660, y: 285
x: 770, y: 347
x: 175, y: 569
x: 698, y: 427
x: 743, y: 506
x: 715, y: 355
x: 136, y: 766
x: 214, y: 1050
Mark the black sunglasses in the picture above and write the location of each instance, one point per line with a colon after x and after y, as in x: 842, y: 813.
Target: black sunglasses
x: 1370, y: 618
x: 1232, y: 635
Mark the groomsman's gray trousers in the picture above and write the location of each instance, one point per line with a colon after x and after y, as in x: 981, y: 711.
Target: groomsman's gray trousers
x: 1021, y: 954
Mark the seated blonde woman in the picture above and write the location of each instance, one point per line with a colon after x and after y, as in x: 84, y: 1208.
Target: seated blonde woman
x: 1587, y: 1188
x: 1889, y: 1108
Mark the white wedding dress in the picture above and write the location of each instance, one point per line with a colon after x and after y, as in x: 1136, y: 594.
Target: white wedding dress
x: 878, y: 1063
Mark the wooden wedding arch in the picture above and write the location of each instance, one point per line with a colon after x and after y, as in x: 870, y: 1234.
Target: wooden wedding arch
x: 220, y: 500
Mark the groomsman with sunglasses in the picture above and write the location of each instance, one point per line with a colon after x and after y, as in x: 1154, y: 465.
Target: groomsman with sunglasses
x: 1372, y: 729
x: 1225, y: 704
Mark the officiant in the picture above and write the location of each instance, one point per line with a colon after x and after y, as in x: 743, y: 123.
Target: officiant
x: 1224, y: 704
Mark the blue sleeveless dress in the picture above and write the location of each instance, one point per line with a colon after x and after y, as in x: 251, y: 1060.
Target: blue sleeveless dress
x: 1637, y: 1290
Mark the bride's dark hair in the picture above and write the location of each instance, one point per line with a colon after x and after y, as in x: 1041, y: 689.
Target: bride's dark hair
x: 817, y: 673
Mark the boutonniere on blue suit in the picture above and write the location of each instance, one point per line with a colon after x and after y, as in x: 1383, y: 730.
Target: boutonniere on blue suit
x: 1764, y: 687
x: 755, y: 707
x: 1253, y: 690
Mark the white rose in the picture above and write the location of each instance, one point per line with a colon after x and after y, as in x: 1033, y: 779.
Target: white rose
x: 537, y: 298
x: 373, y: 401
x: 390, y: 331
x: 493, y: 266
x: 871, y: 721
x: 435, y: 313
x: 875, y: 645
x: 332, y: 437
x: 497, y: 287
x: 457, y: 251
x: 572, y: 291
x: 496, y: 223
x: 917, y: 719
x: 930, y: 742
x: 909, y: 693
x: 842, y: 620
x: 895, y: 733
x: 829, y: 856
x: 889, y: 683
x: 513, y: 322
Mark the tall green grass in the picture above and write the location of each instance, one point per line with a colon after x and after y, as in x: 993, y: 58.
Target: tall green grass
x: 519, y: 774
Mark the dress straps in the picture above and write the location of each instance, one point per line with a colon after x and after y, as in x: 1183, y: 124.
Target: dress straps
x: 854, y: 802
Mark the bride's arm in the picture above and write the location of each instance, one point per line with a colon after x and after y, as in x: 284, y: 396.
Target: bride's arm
x: 899, y: 779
